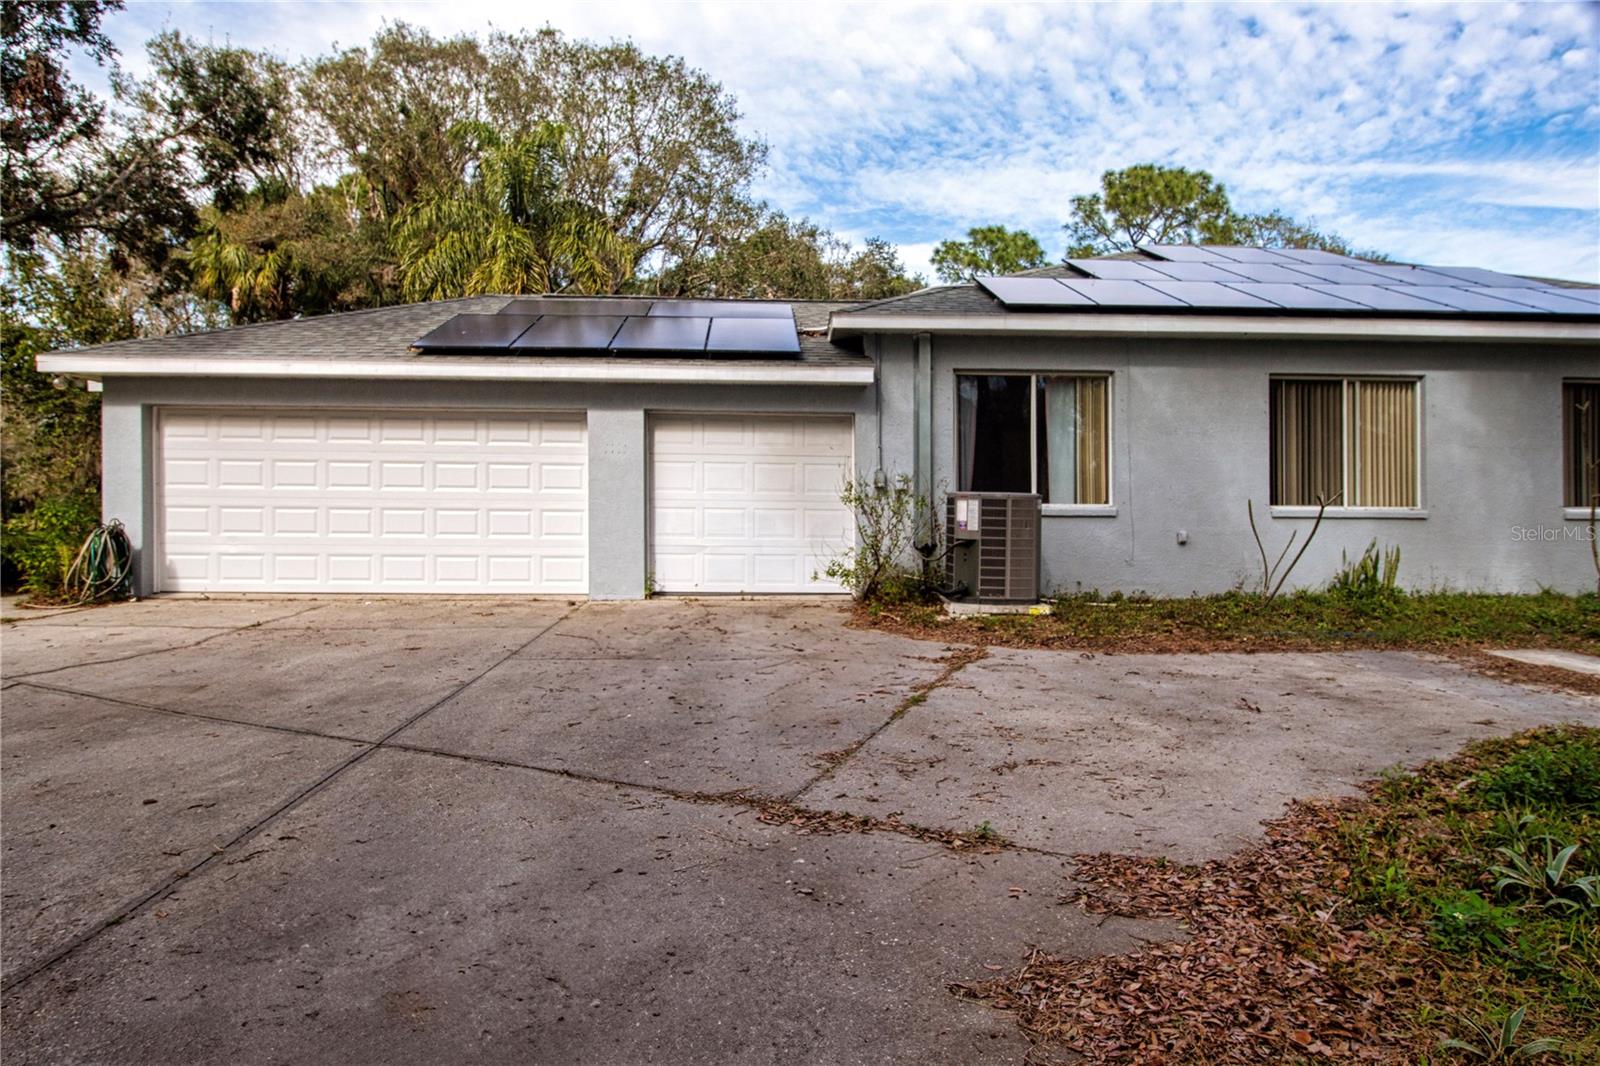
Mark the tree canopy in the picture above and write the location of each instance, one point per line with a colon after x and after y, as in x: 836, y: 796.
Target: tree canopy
x: 987, y: 250
x: 1149, y: 204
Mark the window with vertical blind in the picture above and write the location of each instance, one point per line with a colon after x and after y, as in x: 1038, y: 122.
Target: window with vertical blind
x: 1580, y: 440
x: 1349, y: 442
x: 1043, y: 433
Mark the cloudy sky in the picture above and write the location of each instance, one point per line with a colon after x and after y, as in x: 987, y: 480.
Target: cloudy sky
x: 1444, y: 134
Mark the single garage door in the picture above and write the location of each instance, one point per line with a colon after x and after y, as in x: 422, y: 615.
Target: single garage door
x: 351, y: 501
x: 748, y: 504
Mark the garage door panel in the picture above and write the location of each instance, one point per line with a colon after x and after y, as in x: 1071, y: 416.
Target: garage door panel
x: 748, y: 503
x: 360, y: 502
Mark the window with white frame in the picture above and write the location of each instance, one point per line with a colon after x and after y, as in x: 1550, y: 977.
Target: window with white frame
x: 1580, y: 421
x: 1043, y: 433
x: 1349, y: 442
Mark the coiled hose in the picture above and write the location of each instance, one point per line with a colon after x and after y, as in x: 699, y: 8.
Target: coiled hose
x: 103, y: 569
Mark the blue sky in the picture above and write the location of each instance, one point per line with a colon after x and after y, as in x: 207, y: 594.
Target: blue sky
x: 1448, y: 134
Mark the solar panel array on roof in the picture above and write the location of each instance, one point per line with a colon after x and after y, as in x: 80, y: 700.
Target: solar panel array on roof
x: 1188, y: 277
x: 621, y: 326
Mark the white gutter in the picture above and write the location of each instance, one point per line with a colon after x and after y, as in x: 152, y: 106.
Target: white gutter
x: 1220, y: 326
x: 101, y: 366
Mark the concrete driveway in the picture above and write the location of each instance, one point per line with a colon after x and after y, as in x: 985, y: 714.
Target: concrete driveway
x: 285, y: 831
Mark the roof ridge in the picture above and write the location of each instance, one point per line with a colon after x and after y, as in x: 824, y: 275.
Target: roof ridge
x: 908, y: 295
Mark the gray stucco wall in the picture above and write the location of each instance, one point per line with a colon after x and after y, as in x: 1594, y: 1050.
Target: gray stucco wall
x: 617, y: 434
x: 1190, y: 447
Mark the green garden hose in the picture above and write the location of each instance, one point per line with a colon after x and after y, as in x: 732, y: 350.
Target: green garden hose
x: 103, y: 569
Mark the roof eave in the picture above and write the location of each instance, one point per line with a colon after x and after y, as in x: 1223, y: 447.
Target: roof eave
x: 630, y: 372
x: 1237, y: 327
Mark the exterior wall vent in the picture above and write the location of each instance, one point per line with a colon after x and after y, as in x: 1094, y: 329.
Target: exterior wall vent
x: 994, y: 545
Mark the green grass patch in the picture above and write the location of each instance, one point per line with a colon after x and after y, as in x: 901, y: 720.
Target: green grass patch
x: 1435, y: 620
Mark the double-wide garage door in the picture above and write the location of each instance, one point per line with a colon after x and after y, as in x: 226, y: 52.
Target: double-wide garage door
x: 748, y: 504
x: 295, y: 501
x: 360, y: 501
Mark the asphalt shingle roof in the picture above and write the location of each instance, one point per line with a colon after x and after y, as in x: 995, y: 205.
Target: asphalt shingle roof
x: 387, y: 333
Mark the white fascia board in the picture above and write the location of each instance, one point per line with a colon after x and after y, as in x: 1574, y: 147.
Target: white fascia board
x: 1222, y: 326
x: 625, y: 373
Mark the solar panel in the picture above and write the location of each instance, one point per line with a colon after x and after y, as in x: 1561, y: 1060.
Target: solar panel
x: 1590, y: 296
x: 1120, y: 269
x: 1381, y: 299
x: 765, y: 335
x: 1316, y: 255
x: 1543, y: 299
x: 577, y: 305
x: 1196, y: 272
x: 1489, y: 278
x: 1204, y: 294
x: 1112, y: 293
x: 719, y: 309
x: 1279, y: 273
x: 466, y: 332
x: 1237, y: 254
x: 1296, y: 297
x: 1339, y: 275
x: 1396, y: 274
x: 1033, y: 292
x: 1469, y: 299
x: 586, y: 332
x: 1184, y: 253
x: 664, y: 334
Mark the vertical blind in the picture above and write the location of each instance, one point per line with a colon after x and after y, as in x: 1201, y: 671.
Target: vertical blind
x: 1349, y: 443
x: 1581, y: 441
x: 1093, y: 437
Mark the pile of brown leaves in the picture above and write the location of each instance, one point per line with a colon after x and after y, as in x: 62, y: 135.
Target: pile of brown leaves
x: 1273, y: 973
x: 804, y: 820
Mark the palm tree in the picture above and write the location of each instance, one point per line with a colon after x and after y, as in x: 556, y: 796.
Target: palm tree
x: 508, y: 227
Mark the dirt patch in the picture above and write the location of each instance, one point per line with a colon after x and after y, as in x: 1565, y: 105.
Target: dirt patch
x: 1549, y: 677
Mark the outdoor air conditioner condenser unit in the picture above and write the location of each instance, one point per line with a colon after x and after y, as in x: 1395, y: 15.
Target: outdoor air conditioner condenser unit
x: 994, y: 545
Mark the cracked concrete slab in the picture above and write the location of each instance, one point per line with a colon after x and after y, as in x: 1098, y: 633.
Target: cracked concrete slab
x: 1174, y: 755
x: 102, y: 803
x: 430, y: 612
x: 694, y: 725
x: 179, y: 611
x: 33, y: 649
x: 701, y: 630
x: 423, y: 910
x: 357, y: 683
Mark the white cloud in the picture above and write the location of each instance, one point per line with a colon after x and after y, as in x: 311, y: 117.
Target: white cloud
x: 1395, y: 125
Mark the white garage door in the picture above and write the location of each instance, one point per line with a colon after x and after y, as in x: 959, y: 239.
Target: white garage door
x: 748, y: 504
x: 350, y: 501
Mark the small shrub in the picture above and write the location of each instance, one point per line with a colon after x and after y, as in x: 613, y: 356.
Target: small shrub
x: 41, y: 543
x: 1372, y: 579
x: 883, y: 567
x: 1546, y: 877
x: 1562, y: 773
x: 1489, y: 1042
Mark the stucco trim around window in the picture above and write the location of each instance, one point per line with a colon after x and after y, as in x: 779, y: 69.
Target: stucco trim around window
x: 1348, y: 512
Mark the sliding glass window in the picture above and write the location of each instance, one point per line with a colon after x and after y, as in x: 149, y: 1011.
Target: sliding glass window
x: 1043, y: 433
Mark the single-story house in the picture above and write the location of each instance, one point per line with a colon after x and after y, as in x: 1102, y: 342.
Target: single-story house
x: 613, y: 446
